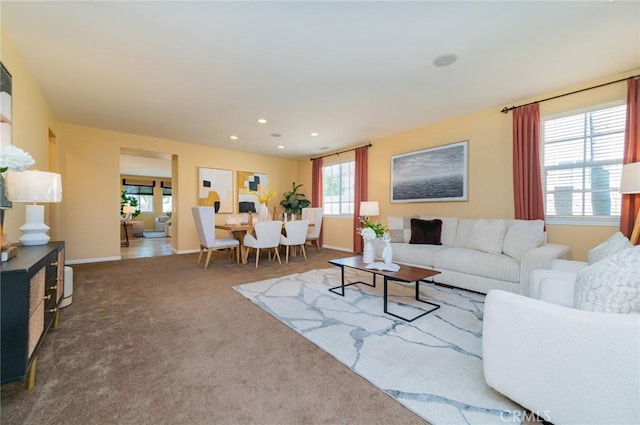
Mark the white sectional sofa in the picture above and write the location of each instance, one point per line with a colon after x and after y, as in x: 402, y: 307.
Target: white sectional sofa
x: 477, y: 254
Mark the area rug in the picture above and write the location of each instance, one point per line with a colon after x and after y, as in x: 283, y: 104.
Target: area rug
x: 433, y: 366
x: 150, y: 234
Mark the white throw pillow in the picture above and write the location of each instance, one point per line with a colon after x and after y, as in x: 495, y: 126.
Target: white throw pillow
x: 487, y: 236
x: 616, y: 243
x: 400, y: 228
x: 522, y: 238
x: 611, y: 285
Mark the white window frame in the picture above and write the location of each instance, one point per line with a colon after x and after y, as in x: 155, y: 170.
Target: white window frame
x: 341, y: 202
x: 576, y: 220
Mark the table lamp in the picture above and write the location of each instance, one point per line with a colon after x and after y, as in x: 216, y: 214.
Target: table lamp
x: 630, y: 184
x: 32, y: 187
x: 128, y: 210
x: 369, y: 209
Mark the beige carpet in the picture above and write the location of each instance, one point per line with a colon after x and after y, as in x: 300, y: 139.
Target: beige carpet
x: 162, y: 341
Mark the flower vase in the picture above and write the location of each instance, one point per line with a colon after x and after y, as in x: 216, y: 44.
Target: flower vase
x: 368, y: 252
x: 263, y: 212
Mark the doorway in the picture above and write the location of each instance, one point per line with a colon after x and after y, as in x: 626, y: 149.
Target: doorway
x: 146, y: 186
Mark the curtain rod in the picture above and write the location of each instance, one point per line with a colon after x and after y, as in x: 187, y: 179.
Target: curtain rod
x: 338, y: 153
x: 506, y: 110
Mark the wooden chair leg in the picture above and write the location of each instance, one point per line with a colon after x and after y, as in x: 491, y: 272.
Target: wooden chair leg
x: 206, y: 263
x: 318, y: 245
x: 257, y: 256
x: 199, y: 256
x: 278, y: 255
x: 287, y: 254
x: 238, y: 254
x: 304, y: 252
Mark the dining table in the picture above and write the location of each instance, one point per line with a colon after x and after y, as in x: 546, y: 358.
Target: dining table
x: 238, y: 231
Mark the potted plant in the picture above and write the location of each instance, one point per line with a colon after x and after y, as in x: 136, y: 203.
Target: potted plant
x: 128, y: 200
x: 294, y: 202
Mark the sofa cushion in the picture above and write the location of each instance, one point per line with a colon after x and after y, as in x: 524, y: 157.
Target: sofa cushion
x: 399, y: 228
x: 487, y: 236
x: 611, y: 285
x: 465, y: 227
x: 416, y: 255
x: 522, y: 237
x: 426, y: 231
x: 477, y: 263
x: 449, y: 228
x: 616, y: 243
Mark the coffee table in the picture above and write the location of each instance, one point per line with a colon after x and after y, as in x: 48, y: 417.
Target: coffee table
x: 406, y: 274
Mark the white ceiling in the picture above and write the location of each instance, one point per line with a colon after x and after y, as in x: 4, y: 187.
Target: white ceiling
x: 352, y: 71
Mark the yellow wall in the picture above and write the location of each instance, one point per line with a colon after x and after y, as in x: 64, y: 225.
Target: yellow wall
x: 489, y: 134
x: 90, y: 224
x: 31, y: 124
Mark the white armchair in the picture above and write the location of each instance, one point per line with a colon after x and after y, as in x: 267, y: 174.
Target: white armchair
x: 567, y: 365
x: 160, y: 222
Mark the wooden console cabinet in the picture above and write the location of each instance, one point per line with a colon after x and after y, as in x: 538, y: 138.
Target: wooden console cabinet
x: 32, y: 285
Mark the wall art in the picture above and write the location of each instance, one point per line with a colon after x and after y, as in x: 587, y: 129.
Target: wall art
x: 431, y: 175
x: 215, y: 189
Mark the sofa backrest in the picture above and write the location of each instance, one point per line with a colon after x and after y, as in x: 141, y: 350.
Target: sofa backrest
x: 457, y: 232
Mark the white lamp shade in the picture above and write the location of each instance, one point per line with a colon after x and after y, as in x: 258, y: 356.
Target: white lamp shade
x: 630, y: 182
x: 369, y: 208
x: 33, y: 186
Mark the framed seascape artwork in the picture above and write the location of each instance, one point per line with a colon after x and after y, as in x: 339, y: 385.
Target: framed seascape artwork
x: 250, y: 182
x: 215, y: 189
x: 431, y: 175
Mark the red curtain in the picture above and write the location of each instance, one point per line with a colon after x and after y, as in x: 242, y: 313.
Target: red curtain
x: 360, y: 187
x: 316, y: 182
x: 316, y: 188
x: 631, y: 203
x: 527, y: 181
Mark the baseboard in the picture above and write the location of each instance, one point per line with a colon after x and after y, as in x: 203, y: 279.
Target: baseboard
x: 337, y: 248
x: 184, y: 251
x: 92, y: 260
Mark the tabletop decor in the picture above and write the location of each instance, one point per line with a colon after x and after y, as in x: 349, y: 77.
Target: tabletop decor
x: 263, y: 198
x: 369, y: 232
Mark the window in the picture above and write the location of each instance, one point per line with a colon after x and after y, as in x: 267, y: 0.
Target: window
x: 582, y: 162
x: 143, y: 194
x: 166, y: 197
x: 338, y: 188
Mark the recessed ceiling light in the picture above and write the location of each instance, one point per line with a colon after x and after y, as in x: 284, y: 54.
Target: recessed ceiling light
x: 262, y: 121
x: 324, y: 148
x: 233, y: 137
x: 280, y: 147
x: 444, y: 60
x: 314, y: 134
x: 276, y: 135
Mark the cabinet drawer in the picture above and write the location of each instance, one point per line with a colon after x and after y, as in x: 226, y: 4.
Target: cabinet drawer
x: 36, y: 309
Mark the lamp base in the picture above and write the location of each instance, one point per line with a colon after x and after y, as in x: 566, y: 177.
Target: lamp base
x: 35, y: 231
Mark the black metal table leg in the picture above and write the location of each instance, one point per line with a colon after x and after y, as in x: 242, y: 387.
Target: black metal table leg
x: 425, y: 312
x: 342, y: 286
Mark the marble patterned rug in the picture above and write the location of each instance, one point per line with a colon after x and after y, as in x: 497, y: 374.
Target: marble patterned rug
x: 433, y: 366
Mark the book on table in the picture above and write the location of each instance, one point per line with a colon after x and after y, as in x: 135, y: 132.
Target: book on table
x: 389, y: 267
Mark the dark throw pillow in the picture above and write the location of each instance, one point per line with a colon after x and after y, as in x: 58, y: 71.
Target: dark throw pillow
x: 426, y: 231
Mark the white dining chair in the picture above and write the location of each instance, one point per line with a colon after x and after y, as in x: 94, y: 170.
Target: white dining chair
x: 296, y: 236
x: 267, y: 237
x: 314, y: 216
x: 204, y: 218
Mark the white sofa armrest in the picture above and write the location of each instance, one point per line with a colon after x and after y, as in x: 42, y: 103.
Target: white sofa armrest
x: 540, y: 258
x: 568, y: 265
x: 570, y: 366
x: 554, y: 286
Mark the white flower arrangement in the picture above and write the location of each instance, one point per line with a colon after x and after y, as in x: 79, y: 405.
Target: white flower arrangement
x: 368, y: 233
x: 15, y: 159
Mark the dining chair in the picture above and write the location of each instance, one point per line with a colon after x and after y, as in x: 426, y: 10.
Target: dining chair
x: 296, y: 236
x: 205, y: 219
x: 314, y: 216
x: 267, y: 237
